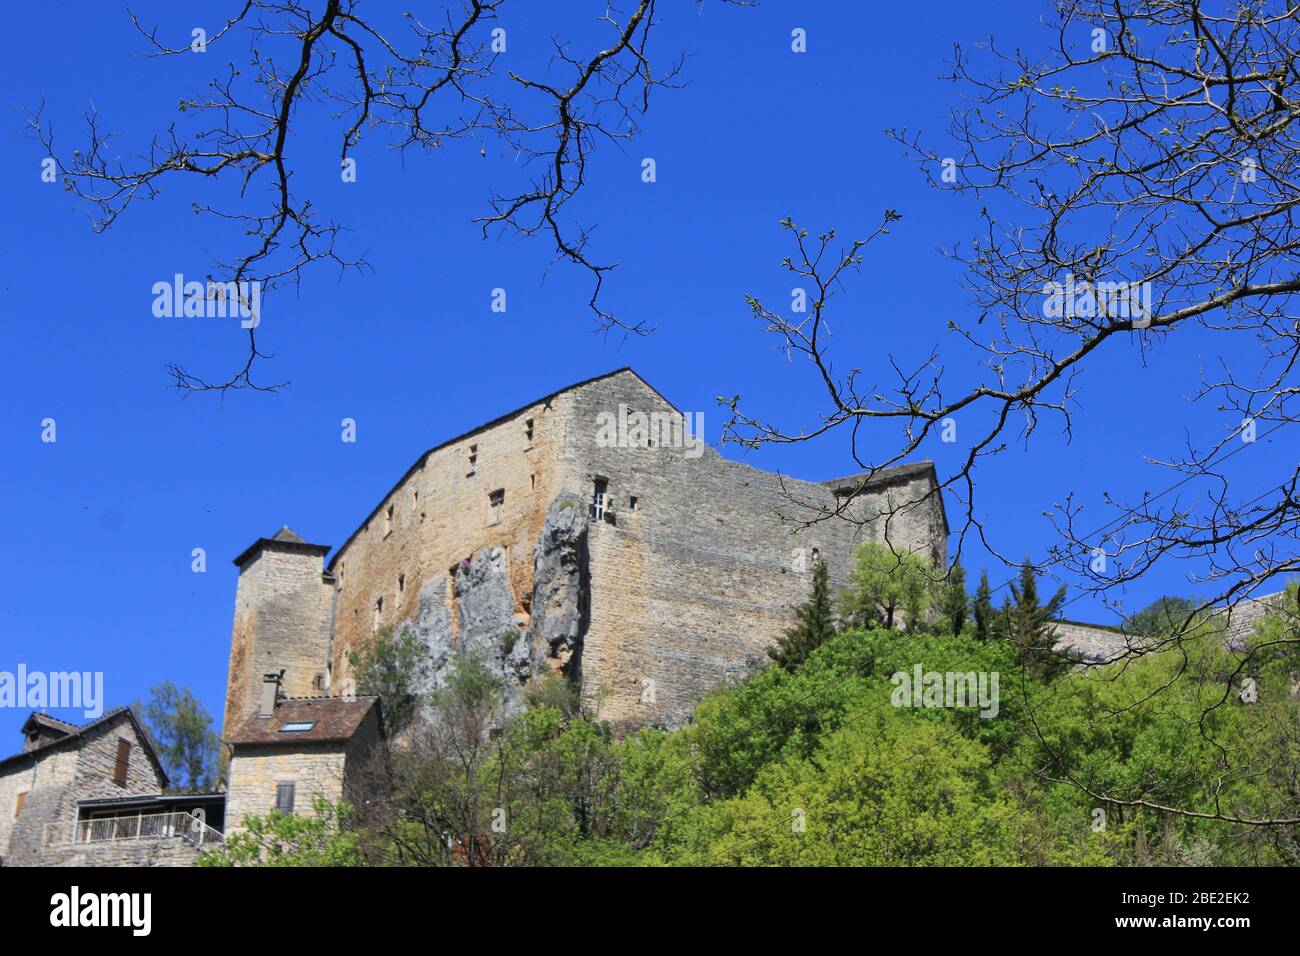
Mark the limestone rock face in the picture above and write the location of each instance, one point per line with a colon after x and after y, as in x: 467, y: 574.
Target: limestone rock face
x: 432, y: 626
x: 483, y: 616
x: 561, y: 589
x: 485, y: 603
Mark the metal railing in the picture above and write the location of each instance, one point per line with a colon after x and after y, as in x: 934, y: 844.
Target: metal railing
x: 135, y: 826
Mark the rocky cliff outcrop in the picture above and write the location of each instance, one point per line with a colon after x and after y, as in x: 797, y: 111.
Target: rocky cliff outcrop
x: 483, y: 617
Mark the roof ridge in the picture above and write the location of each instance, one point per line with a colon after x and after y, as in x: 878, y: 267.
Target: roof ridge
x: 329, y: 565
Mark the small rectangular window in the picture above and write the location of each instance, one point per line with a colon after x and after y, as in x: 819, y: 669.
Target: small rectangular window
x: 599, y: 498
x: 284, y: 797
x: 632, y: 503
x: 298, y: 727
x: 496, y: 505
x: 122, y: 763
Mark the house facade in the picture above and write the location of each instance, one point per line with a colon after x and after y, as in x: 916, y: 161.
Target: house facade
x: 94, y: 795
x: 295, y: 751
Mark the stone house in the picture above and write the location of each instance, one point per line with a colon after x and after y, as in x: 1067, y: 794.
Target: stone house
x: 295, y: 750
x: 94, y: 795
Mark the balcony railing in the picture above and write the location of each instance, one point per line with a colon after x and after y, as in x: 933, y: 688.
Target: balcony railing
x: 134, y: 826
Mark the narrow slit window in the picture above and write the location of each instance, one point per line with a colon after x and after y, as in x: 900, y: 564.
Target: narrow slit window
x: 388, y: 521
x: 528, y: 431
x: 473, y: 459
x: 496, y: 506
x: 122, y: 763
x: 379, y: 613
x: 284, y: 797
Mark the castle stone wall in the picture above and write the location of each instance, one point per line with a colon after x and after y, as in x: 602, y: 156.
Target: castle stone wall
x: 664, y: 601
x: 689, y: 589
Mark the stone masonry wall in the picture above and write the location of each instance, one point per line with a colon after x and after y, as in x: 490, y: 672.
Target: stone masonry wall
x: 315, y: 770
x: 45, y: 782
x: 170, y: 851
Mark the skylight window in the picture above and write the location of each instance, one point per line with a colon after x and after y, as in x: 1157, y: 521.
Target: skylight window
x: 298, y: 727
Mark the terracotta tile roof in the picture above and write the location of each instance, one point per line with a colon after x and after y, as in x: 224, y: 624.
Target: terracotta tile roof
x: 332, y: 719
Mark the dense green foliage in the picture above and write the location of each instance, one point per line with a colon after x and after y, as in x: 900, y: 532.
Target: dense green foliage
x: 279, y: 839
x: 816, y: 765
x: 889, y: 588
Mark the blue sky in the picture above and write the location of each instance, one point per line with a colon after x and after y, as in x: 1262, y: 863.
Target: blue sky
x: 99, y: 527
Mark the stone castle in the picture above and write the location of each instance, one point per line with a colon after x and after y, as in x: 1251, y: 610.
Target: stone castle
x: 589, y: 533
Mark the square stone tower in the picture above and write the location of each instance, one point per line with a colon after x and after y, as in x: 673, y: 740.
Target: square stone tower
x: 283, y: 610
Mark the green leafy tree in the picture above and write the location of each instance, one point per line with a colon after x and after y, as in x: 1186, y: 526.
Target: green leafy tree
x: 279, y: 839
x: 983, y: 611
x: 392, y: 668
x: 814, y: 626
x: 180, y: 730
x: 888, y: 586
x: 954, y: 599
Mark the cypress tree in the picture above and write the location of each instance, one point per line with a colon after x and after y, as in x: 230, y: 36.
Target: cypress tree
x: 954, y: 599
x: 814, y: 626
x: 983, y: 611
x: 1030, y: 627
